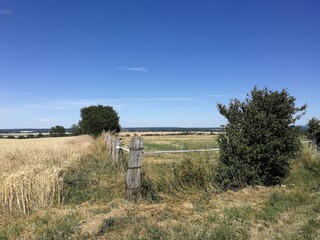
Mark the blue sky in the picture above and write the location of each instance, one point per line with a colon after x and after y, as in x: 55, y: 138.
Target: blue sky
x: 158, y: 63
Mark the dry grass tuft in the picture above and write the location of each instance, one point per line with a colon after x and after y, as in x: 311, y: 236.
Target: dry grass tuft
x: 309, y: 155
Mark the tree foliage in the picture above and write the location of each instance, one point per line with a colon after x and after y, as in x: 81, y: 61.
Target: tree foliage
x: 259, y: 139
x: 75, y: 129
x: 314, y: 130
x: 95, y: 119
x: 57, y: 131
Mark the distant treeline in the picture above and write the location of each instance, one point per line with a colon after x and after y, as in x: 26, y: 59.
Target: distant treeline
x: 172, y: 129
x: 19, y: 130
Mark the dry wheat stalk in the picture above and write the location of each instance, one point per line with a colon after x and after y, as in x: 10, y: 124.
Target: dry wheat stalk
x: 31, y: 171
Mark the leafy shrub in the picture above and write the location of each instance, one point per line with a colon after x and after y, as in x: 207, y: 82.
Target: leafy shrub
x: 196, y: 172
x: 259, y: 139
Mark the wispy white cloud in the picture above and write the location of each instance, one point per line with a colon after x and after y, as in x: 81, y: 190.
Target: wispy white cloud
x: 224, y: 95
x: 6, y: 11
x: 45, y: 106
x: 134, y: 69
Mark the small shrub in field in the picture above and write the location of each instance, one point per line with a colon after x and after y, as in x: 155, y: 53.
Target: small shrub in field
x: 197, y: 172
x: 259, y: 139
x: 194, y: 172
x: 305, y: 169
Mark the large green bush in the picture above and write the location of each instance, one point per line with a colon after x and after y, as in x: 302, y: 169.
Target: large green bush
x: 95, y: 119
x: 259, y: 139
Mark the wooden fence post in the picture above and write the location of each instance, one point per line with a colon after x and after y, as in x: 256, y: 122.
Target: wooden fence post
x: 119, y: 153
x: 114, y: 149
x: 109, y: 139
x: 134, y: 168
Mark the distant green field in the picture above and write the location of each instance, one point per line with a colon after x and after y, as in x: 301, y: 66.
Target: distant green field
x: 177, y: 142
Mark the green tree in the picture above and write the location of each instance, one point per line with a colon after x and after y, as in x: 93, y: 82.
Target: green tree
x: 75, y: 129
x: 57, y: 131
x: 314, y: 130
x: 259, y: 139
x: 95, y: 119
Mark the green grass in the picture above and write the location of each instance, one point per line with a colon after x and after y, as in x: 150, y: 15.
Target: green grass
x: 280, y: 202
x: 53, y: 227
x: 94, y: 179
x: 50, y: 224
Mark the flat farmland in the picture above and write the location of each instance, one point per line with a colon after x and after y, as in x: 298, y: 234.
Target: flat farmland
x: 66, y: 188
x: 176, y: 142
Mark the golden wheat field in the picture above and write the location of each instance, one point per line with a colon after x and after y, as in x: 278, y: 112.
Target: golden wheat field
x: 31, y: 170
